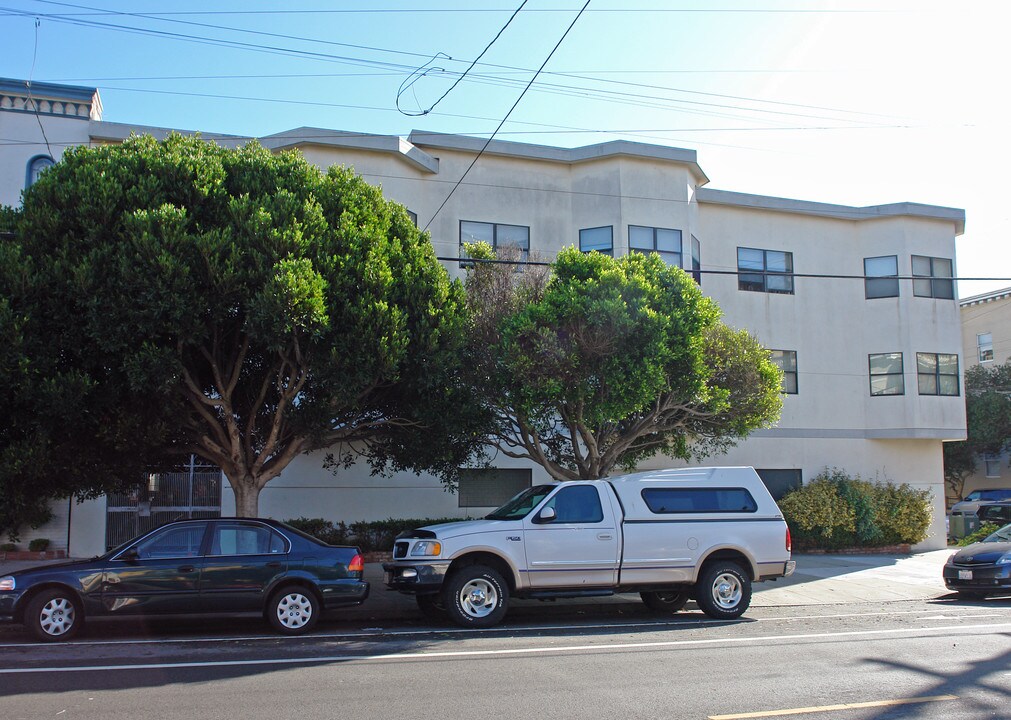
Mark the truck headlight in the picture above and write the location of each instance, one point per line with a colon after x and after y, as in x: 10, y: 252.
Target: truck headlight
x: 7, y: 583
x: 426, y: 548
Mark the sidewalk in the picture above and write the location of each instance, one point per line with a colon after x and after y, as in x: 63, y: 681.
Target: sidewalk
x: 818, y: 580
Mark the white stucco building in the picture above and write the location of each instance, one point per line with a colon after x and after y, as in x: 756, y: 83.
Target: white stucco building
x: 858, y: 304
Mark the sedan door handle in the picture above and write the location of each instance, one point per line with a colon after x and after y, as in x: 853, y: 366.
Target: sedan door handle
x: 604, y: 536
x: 274, y: 564
x: 187, y: 569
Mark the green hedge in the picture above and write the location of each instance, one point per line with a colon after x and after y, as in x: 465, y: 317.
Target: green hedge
x: 836, y: 511
x: 985, y: 530
x: 377, y: 535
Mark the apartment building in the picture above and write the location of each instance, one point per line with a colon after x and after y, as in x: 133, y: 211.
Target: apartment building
x: 857, y: 304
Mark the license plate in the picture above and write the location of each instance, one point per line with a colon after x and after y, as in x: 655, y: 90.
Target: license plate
x: 388, y: 579
x: 965, y: 574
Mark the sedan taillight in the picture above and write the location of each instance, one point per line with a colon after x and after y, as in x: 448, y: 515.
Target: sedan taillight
x: 357, y: 563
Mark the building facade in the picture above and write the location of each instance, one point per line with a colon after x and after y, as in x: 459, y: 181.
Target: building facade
x: 986, y: 340
x: 857, y: 305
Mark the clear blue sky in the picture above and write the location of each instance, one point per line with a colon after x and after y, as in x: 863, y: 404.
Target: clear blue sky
x: 855, y: 102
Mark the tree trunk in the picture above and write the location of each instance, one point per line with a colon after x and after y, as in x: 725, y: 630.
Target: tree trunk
x: 247, y: 496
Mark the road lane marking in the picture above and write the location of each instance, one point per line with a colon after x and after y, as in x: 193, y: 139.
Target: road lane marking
x: 830, y: 708
x: 686, y: 621
x: 493, y: 653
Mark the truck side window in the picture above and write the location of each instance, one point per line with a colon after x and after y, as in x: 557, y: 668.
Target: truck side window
x: 699, y: 500
x: 577, y: 504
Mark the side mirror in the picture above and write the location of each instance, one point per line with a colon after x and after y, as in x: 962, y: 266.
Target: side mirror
x: 546, y: 515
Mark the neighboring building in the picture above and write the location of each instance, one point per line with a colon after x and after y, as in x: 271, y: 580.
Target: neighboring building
x: 986, y: 340
x: 872, y: 359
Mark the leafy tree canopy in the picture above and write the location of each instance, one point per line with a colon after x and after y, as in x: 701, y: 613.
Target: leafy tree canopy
x: 610, y: 361
x: 176, y: 297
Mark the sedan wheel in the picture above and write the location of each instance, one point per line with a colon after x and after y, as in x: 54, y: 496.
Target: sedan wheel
x: 293, y: 611
x: 54, y: 615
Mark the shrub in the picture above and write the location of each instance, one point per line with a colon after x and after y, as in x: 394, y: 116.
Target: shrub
x: 835, y: 511
x: 8, y: 547
x: 39, y: 544
x: 369, y: 536
x: 984, y: 530
x: 818, y: 516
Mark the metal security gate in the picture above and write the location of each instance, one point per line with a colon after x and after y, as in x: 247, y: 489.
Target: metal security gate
x: 192, y: 490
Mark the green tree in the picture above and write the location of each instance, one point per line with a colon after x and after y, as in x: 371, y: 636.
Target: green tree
x: 178, y: 297
x: 608, y: 362
x: 988, y: 423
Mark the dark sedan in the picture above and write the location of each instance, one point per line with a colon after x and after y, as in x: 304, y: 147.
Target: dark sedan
x: 222, y: 565
x: 983, y: 568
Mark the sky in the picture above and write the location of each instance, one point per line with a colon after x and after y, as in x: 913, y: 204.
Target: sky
x: 855, y: 103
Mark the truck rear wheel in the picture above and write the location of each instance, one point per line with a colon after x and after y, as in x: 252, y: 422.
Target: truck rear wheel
x: 475, y: 596
x: 665, y: 602
x: 723, y: 591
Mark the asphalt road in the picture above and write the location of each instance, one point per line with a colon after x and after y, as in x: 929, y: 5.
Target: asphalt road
x: 940, y: 658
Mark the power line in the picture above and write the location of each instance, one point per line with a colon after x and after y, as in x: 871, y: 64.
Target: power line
x: 506, y: 117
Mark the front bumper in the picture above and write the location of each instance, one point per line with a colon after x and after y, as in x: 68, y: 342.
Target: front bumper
x: 990, y: 579
x: 415, y: 578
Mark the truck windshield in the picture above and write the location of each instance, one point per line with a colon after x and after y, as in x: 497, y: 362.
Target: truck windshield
x: 522, y: 504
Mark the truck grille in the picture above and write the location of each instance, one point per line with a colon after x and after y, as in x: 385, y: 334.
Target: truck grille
x: 400, y: 549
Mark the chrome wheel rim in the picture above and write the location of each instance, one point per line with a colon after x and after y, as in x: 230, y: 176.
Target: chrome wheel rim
x: 727, y: 591
x: 294, y: 611
x: 478, y: 598
x: 57, y: 616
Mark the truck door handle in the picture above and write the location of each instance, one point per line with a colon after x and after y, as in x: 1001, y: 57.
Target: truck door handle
x: 604, y: 536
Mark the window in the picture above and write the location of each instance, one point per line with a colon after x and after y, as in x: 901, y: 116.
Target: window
x: 886, y: 374
x: 937, y: 373
x: 984, y: 347
x: 491, y: 487
x: 786, y: 360
x: 35, y: 167
x: 245, y: 540
x: 992, y: 463
x: 781, y: 482
x: 696, y: 260
x: 599, y: 239
x: 881, y: 277
x: 577, y: 504
x: 497, y: 235
x: 414, y: 217
x: 666, y: 243
x: 664, y: 501
x: 768, y: 271
x: 175, y: 542
x: 932, y: 277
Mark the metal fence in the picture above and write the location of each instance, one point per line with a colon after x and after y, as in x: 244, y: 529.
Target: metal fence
x: 192, y: 490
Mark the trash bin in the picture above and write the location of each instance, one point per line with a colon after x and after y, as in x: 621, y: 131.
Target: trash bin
x: 960, y: 525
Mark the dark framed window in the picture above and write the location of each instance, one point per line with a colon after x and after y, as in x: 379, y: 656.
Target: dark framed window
x: 498, y: 235
x: 576, y: 504
x: 881, y: 277
x: 886, y: 374
x: 672, y: 501
x: 769, y: 271
x: 932, y: 277
x: 991, y: 463
x: 696, y: 260
x: 600, y: 239
x: 663, y: 241
x: 237, y: 539
x: 786, y: 360
x: 181, y: 541
x: 937, y: 373
x: 984, y: 347
x: 414, y: 217
x: 781, y: 482
x: 491, y: 487
x: 35, y: 167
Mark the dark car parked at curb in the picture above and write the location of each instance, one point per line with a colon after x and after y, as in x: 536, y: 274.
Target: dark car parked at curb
x: 983, y: 568
x: 220, y: 565
x: 998, y: 513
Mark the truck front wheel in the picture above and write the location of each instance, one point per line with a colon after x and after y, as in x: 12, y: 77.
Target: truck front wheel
x: 475, y: 596
x: 723, y: 591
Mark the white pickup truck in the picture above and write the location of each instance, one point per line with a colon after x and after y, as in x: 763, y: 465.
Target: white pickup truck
x: 669, y: 535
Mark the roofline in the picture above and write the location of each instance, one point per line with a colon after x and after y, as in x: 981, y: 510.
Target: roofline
x: 393, y: 144
x: 843, y: 212
x: 985, y: 297
x: 72, y: 92
x: 117, y: 132
x: 585, y: 153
